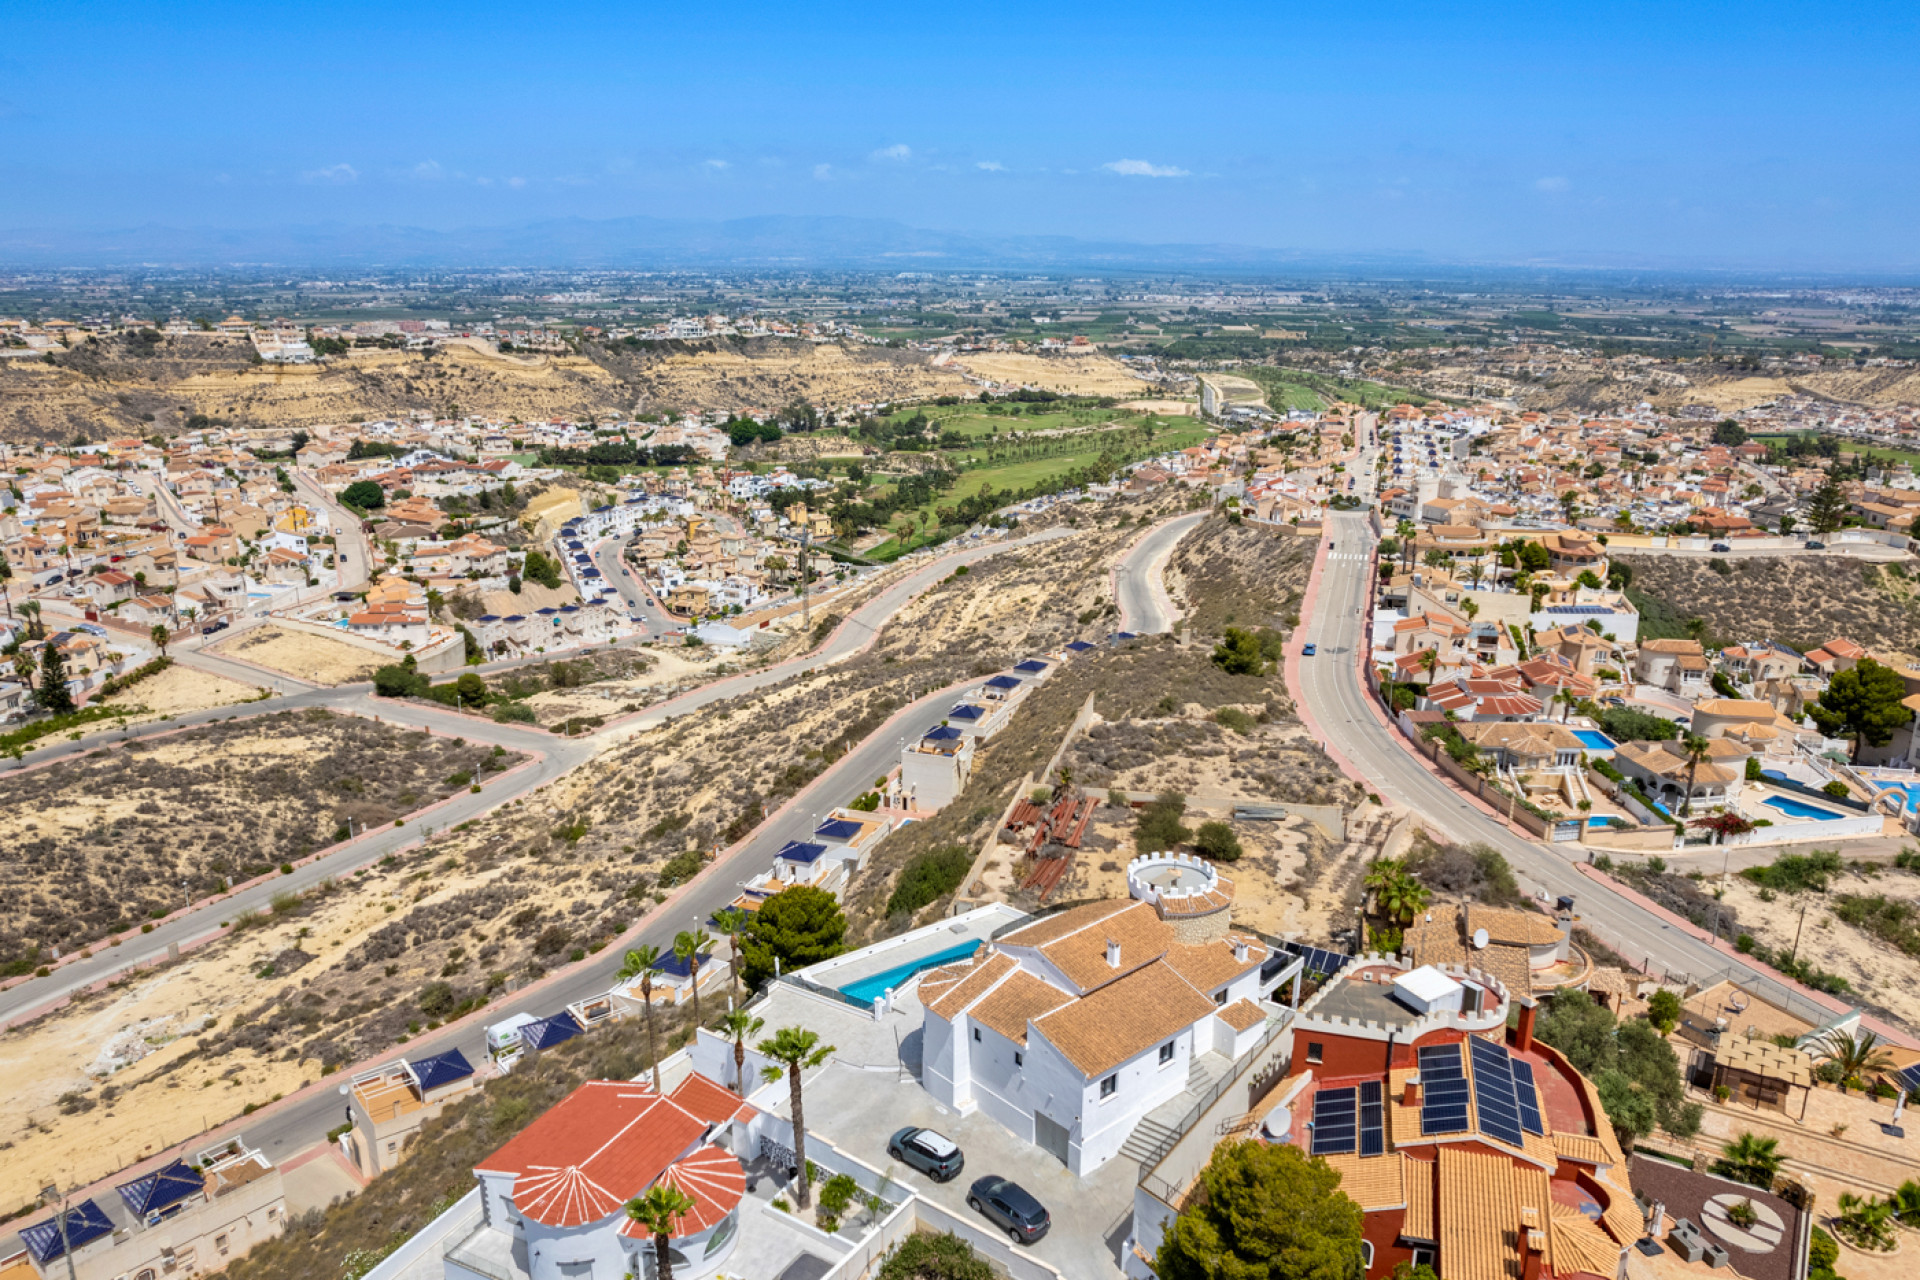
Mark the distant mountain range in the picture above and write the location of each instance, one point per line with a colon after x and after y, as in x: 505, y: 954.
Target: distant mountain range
x: 775, y: 242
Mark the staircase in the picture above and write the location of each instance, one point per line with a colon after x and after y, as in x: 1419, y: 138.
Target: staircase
x: 1156, y: 1133
x: 1149, y: 1141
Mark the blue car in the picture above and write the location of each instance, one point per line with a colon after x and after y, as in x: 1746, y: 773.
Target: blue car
x: 1309, y: 651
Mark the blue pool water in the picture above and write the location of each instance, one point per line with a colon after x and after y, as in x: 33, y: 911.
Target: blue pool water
x: 1801, y: 809
x: 1775, y: 774
x: 1911, y: 788
x: 1595, y: 739
x: 873, y: 987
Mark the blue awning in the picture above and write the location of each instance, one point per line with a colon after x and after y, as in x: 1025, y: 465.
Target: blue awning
x: 441, y: 1068
x: 161, y: 1188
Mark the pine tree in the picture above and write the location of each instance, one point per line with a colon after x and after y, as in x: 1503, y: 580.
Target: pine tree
x: 54, y: 695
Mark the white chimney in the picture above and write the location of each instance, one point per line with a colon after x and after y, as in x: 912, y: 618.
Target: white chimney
x: 1113, y: 954
x: 1240, y: 950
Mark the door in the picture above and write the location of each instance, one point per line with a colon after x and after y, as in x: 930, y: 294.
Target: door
x: 1050, y: 1137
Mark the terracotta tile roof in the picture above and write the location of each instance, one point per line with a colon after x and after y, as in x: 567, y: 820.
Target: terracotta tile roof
x: 1373, y: 1183
x: 1080, y: 954
x: 1435, y: 940
x: 1054, y: 927
x: 1624, y: 1220
x: 1022, y: 997
x: 1578, y: 1245
x: 1211, y: 964
x: 1417, y: 1176
x: 1508, y: 963
x: 1193, y: 904
x: 712, y: 1179
x: 1479, y: 1215
x: 937, y: 982
x: 1242, y: 1014
x: 976, y: 984
x: 1527, y: 928
x: 1578, y: 1146
x: 701, y: 1097
x: 1100, y: 1031
x: 600, y: 1146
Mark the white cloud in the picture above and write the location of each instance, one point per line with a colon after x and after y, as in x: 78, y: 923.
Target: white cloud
x: 337, y: 174
x: 898, y: 151
x: 822, y: 172
x: 716, y: 164
x: 1143, y: 169
x: 429, y: 171
x: 991, y: 166
x: 516, y: 183
x: 1551, y: 184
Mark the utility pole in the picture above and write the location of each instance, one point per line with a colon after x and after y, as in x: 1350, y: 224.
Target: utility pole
x: 806, y: 603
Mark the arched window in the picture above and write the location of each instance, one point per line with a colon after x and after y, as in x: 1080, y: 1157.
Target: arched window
x: 1366, y: 1254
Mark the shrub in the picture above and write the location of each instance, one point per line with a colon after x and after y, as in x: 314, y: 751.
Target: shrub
x: 1664, y: 1011
x: 436, y: 999
x: 1235, y: 719
x: 1160, y: 828
x: 513, y: 713
x: 1837, y: 789
x: 935, y: 1257
x: 1217, y: 841
x: 928, y: 877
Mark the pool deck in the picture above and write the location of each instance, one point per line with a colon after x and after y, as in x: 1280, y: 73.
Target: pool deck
x: 911, y: 948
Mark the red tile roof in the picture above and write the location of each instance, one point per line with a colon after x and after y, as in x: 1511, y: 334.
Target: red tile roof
x: 712, y: 1179
x: 602, y: 1145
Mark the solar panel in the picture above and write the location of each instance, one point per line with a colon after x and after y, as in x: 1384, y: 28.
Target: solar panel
x: 1373, y: 1135
x: 1493, y: 1093
x: 1319, y: 961
x: 1528, y: 1094
x: 1333, y: 1122
x: 1443, y: 1090
x: 1910, y: 1077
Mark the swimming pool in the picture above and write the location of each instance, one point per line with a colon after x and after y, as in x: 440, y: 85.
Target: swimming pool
x: 1595, y: 740
x: 1911, y: 788
x: 871, y: 988
x: 1800, y: 809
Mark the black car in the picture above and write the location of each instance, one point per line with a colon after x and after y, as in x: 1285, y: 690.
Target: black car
x: 1721, y: 546
x: 931, y: 1153
x: 1814, y: 544
x: 1007, y: 1203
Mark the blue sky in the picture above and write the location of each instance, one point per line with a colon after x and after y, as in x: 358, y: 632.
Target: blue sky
x: 1758, y: 134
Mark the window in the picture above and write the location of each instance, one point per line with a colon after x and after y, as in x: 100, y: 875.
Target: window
x: 976, y: 1035
x: 1366, y: 1254
x: 1314, y: 1051
x: 1220, y: 996
x: 1109, y: 1085
x: 220, y: 1243
x: 1018, y: 1059
x: 1423, y: 1257
x: 1166, y: 1053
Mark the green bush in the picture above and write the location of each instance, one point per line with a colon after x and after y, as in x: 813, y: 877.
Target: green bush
x: 1235, y: 719
x: 514, y: 713
x: 1837, y: 789
x: 929, y: 876
x: 935, y: 1257
x: 1160, y: 828
x: 1217, y: 841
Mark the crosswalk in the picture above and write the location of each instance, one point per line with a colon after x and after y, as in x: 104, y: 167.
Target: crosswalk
x: 1354, y: 556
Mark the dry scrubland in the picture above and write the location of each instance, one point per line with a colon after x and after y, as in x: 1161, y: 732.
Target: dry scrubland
x: 109, y: 387
x: 331, y: 978
x: 181, y: 688
x: 1088, y: 374
x: 91, y: 845
x: 1802, y: 601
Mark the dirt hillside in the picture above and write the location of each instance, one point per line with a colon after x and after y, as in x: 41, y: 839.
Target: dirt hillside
x: 1801, y: 601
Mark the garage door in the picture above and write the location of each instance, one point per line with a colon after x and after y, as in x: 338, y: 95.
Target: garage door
x: 1050, y: 1137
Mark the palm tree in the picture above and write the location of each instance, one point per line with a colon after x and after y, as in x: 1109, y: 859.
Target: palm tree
x: 1397, y: 895
x: 690, y: 945
x: 159, y: 635
x: 660, y: 1211
x: 740, y: 1024
x: 641, y: 962
x: 31, y: 610
x: 799, y: 1050
x: 1868, y: 1221
x: 1697, y: 749
x: 1750, y: 1159
x: 1854, y: 1053
x: 1906, y: 1202
x: 1406, y: 531
x: 731, y: 924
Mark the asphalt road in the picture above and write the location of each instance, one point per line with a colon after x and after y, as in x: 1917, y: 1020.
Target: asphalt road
x: 1139, y: 583
x: 298, y: 1122
x: 639, y: 601
x: 1330, y: 687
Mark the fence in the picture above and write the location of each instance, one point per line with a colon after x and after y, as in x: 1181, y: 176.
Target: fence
x: 828, y: 993
x: 1257, y: 1056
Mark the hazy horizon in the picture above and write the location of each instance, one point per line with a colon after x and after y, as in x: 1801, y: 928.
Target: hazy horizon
x: 1764, y: 138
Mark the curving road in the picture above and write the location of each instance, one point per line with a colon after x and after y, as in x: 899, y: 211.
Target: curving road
x: 301, y: 1120
x: 1329, y: 686
x: 1139, y: 579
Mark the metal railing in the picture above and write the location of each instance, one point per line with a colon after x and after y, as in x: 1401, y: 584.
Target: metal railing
x: 1192, y: 1116
x: 826, y: 992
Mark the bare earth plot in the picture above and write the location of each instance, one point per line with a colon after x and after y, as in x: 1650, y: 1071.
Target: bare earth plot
x: 1081, y: 375
x: 179, y: 689
x: 299, y: 654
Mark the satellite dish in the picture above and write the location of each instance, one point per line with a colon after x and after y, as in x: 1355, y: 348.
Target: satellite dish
x: 1479, y: 939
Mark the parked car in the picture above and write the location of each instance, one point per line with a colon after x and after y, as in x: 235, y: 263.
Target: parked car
x: 1007, y: 1203
x: 933, y: 1154
x: 1309, y: 650
x: 1616, y: 702
x: 1814, y: 544
x: 1721, y: 546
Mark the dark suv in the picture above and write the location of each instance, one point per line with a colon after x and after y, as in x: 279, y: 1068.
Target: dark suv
x: 931, y: 1153
x: 1008, y: 1204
